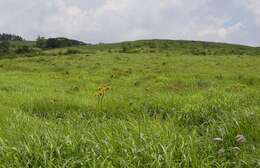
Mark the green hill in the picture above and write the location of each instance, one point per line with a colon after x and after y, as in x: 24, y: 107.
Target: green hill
x: 147, y: 103
x: 193, y: 47
x: 180, y: 47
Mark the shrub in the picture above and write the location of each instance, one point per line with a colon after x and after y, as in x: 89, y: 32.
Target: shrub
x: 40, y: 42
x: 125, y: 49
x: 152, y: 45
x: 4, y: 46
x: 23, y: 49
x: 72, y: 51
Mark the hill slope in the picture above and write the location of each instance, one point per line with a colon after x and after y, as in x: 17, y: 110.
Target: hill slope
x: 132, y: 104
x: 181, y: 45
x: 178, y: 47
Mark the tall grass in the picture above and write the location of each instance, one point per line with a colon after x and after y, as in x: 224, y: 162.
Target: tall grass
x: 176, y: 111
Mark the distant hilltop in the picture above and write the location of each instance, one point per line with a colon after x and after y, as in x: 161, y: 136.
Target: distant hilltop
x: 59, y: 42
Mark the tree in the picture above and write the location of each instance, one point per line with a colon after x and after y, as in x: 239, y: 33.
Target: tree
x: 40, y: 42
x: 10, y: 37
x: 54, y: 43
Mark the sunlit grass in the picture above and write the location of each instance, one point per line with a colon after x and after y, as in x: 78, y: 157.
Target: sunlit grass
x: 166, y: 109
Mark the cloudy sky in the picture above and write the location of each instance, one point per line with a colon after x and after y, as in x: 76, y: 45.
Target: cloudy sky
x: 233, y: 21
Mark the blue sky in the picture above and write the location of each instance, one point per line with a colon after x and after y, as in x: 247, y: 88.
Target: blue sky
x: 233, y: 21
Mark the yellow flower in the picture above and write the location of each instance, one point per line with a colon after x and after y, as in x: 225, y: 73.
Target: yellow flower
x: 101, y: 91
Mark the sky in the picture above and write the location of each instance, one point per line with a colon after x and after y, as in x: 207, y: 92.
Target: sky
x: 94, y: 21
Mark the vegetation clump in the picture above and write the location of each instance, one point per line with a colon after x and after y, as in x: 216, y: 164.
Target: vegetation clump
x: 4, y: 47
x: 23, y: 49
x: 60, y: 42
x: 72, y: 51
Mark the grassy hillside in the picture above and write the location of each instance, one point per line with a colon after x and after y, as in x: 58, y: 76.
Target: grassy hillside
x: 148, y: 103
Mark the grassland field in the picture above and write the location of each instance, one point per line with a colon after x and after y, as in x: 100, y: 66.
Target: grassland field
x: 169, y: 104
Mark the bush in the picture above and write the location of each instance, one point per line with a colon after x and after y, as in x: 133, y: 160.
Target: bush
x: 72, y: 51
x: 4, y: 46
x: 128, y: 48
x: 23, y: 49
x: 40, y: 42
x: 125, y: 49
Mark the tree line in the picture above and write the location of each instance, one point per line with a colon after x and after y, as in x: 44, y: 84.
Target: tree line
x: 41, y: 42
x: 48, y: 43
x: 10, y: 37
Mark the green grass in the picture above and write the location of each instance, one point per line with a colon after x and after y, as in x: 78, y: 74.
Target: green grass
x: 168, y: 102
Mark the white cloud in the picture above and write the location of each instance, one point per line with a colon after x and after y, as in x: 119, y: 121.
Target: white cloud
x: 254, y: 5
x: 118, y: 20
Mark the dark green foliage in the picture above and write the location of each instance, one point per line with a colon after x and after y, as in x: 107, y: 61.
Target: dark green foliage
x: 23, y: 49
x: 72, y: 51
x: 4, y: 47
x: 152, y: 45
x: 10, y: 37
x: 129, y: 48
x: 56, y: 43
x: 126, y: 48
x: 40, y: 42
